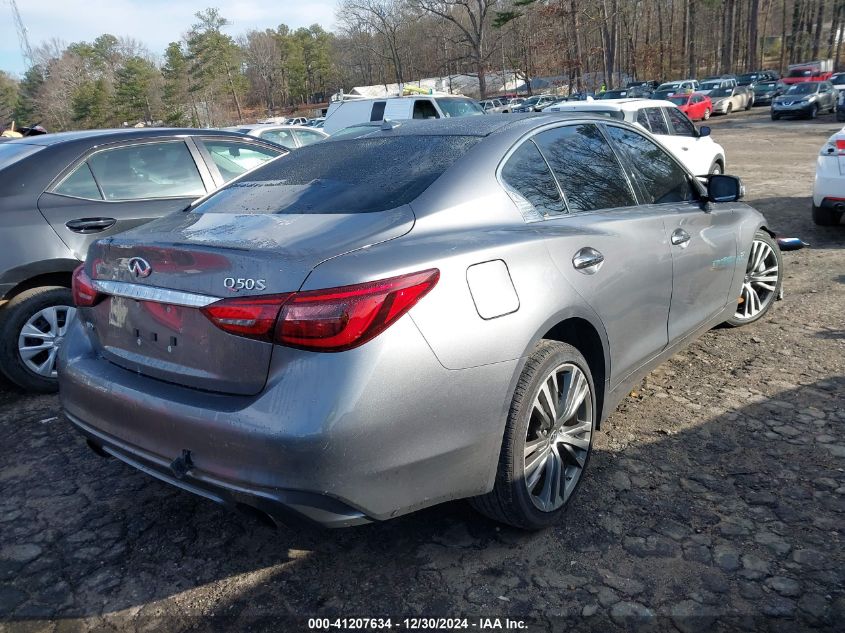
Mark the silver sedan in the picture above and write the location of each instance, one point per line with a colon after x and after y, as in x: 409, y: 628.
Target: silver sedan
x: 435, y: 310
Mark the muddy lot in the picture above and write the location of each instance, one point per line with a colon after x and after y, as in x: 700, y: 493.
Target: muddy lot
x: 715, y: 499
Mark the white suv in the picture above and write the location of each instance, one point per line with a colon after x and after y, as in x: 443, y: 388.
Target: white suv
x: 693, y: 147
x: 351, y: 111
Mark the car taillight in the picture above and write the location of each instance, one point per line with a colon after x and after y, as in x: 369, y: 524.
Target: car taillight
x: 84, y: 292
x: 338, y: 319
x: 840, y: 145
x: 329, y: 320
x: 253, y: 317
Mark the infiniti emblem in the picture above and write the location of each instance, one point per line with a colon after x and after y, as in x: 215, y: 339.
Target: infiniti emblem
x: 140, y: 267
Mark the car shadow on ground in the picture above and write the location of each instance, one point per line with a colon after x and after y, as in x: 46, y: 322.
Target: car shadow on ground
x: 737, y: 517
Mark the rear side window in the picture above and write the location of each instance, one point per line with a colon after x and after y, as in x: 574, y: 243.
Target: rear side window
x: 681, y: 125
x: 232, y: 158
x: 377, y: 113
x: 347, y: 176
x: 586, y: 168
x: 150, y: 170
x: 80, y: 184
x: 642, y: 119
x: 659, y: 176
x: 656, y: 122
x: 307, y: 137
x: 530, y: 184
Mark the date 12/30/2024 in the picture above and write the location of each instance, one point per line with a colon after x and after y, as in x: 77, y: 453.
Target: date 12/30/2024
x: 417, y: 624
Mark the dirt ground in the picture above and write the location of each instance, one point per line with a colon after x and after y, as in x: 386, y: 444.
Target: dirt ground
x: 715, y: 499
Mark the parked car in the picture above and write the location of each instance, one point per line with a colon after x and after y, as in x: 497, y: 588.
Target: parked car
x: 622, y: 93
x: 348, y: 112
x: 345, y: 347
x: 60, y: 192
x: 679, y: 86
x: 807, y: 99
x: 766, y: 91
x: 819, y: 70
x: 493, y: 106
x: 297, y: 120
x: 289, y: 136
x: 829, y: 183
x: 708, y: 86
x: 840, y: 105
x: 838, y: 81
x: 536, y: 103
x: 694, y: 148
x: 727, y: 100
x: 515, y: 102
x: 581, y: 96
x: 696, y: 106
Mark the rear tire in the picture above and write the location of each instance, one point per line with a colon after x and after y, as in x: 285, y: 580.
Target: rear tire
x: 729, y: 109
x: 23, y: 310
x: 826, y: 217
x: 716, y: 168
x: 557, y: 439
x: 706, y: 114
x: 814, y: 112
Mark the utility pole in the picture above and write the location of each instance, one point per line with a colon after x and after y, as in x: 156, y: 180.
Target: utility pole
x: 26, y: 49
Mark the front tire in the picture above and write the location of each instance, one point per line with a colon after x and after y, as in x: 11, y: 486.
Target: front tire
x: 729, y: 109
x: 547, y: 442
x: 763, y: 279
x: 706, y: 113
x: 826, y: 217
x: 775, y: 117
x: 716, y: 168
x: 814, y: 112
x: 32, y: 327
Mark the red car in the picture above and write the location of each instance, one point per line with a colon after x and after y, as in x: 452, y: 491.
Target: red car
x: 697, y: 107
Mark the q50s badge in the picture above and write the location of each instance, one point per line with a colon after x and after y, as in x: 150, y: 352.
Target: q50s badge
x: 244, y: 283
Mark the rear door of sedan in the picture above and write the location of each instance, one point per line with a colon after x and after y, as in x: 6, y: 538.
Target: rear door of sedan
x: 612, y: 251
x: 117, y: 187
x: 702, y: 242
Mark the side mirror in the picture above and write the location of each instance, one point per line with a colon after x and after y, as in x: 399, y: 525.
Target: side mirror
x: 704, y: 130
x: 721, y: 188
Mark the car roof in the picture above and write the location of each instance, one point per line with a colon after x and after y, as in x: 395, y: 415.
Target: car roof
x: 621, y: 105
x: 115, y: 135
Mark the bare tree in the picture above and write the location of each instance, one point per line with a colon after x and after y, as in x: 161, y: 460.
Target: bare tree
x: 472, y: 21
x: 386, y: 19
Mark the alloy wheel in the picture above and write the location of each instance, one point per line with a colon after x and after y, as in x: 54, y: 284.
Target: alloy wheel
x: 41, y: 337
x: 558, y: 437
x: 706, y: 113
x: 760, y: 283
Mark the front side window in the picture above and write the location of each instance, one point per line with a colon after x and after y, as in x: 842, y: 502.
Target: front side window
x: 681, y: 125
x: 149, y: 170
x: 232, y: 158
x: 661, y: 179
x: 362, y: 175
x: 530, y: 184
x: 80, y: 184
x: 586, y: 168
x: 424, y: 109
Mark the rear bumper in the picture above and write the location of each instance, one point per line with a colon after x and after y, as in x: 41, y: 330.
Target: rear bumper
x: 339, y: 439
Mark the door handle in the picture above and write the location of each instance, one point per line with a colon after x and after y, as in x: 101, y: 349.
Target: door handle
x: 680, y: 237
x: 587, y: 260
x: 90, y: 225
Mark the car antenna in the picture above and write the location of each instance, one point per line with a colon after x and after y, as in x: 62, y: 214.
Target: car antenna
x: 388, y: 125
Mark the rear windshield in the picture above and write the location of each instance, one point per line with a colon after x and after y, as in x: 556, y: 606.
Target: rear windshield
x: 349, y: 176
x: 13, y: 152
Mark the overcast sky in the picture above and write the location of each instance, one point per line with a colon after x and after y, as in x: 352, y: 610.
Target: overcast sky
x: 154, y: 22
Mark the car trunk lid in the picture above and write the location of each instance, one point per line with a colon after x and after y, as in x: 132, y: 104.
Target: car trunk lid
x: 155, y: 280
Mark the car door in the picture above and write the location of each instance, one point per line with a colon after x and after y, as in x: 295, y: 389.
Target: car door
x: 119, y: 187
x: 228, y: 157
x: 702, y: 240
x: 612, y: 251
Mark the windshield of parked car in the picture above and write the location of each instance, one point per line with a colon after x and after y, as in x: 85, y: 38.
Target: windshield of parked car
x: 801, y: 72
x: 767, y: 87
x: 747, y: 78
x: 838, y: 79
x: 348, y: 176
x: 681, y: 100
x: 710, y: 85
x: 11, y: 152
x: 721, y: 92
x: 806, y: 88
x: 613, y: 94
x: 669, y: 86
x: 459, y: 107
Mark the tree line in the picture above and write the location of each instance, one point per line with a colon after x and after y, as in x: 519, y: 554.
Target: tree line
x: 213, y: 77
